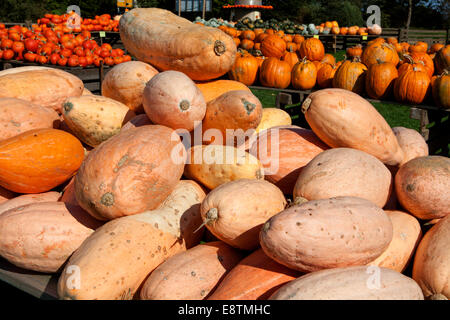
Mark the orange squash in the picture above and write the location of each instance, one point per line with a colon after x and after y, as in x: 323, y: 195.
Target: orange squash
x: 312, y: 49
x: 131, y: 172
x: 341, y: 118
x: 247, y: 34
x: 291, y: 46
x: 5, y: 195
x: 26, y: 199
x: 304, y: 75
x: 192, y: 274
x: 325, y: 75
x: 284, y: 151
x: 411, y: 142
x: 425, y: 59
x: 380, y: 51
x: 215, y: 88
x: 435, y: 47
x: 380, y: 79
x: 256, y: 277
x: 244, y: 69
x: 408, y: 64
x: 275, y: 73
x: 246, y: 44
x: 39, y: 160
x: 273, y: 46
x: 351, y: 75
x: 442, y: 59
x: 298, y: 39
x: 328, y: 58
x: 441, y: 90
x: 290, y: 57
x: 412, y: 86
x: 419, y: 46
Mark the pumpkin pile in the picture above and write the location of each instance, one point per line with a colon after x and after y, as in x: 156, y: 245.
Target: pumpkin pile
x: 72, y: 22
x: 125, y: 194
x: 384, y: 69
x: 45, y: 46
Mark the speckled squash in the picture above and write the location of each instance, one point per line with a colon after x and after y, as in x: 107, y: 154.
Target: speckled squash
x: 256, y: 277
x: 328, y: 233
x: 94, y: 119
x: 173, y: 100
x: 235, y: 211
x: 26, y: 199
x: 170, y: 42
x: 411, y: 142
x: 132, y: 172
x: 137, y: 121
x: 126, y: 81
x: 214, y: 165
x: 351, y: 283
x: 192, y: 274
x: 422, y: 186
x: 345, y: 172
x: 341, y: 118
x: 41, y: 236
x: 17, y: 116
x: 118, y: 257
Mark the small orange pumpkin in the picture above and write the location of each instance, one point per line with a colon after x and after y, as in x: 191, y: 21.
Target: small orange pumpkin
x: 412, y: 86
x: 380, y: 79
x: 273, y: 46
x: 325, y: 75
x: 350, y: 76
x: 312, y: 49
x: 441, y: 90
x: 290, y: 57
x: 244, y: 69
x: 304, y: 75
x: 275, y: 73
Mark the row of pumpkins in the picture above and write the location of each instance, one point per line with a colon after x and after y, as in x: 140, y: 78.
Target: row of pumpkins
x: 306, y: 218
x: 280, y: 61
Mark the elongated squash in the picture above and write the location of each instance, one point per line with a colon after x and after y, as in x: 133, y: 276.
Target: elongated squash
x: 26, y: 199
x: 192, y: 274
x: 341, y: 118
x: 256, y: 277
x: 94, y: 119
x: 214, y: 165
x: 351, y: 283
x: 411, y: 142
x: 115, y: 260
x: 169, y: 42
x: 41, y: 236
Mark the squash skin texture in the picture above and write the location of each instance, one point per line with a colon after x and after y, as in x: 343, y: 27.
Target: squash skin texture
x: 215, y: 88
x: 169, y: 42
x: 406, y: 237
x: 130, y: 173
x: 126, y: 82
x: 422, y: 186
x: 341, y: 118
x: 411, y: 142
x: 26, y: 199
x: 94, y: 119
x: 18, y: 116
x: 273, y: 117
x: 47, y: 87
x: 39, y: 160
x: 328, y: 233
x: 256, y: 277
x: 116, y: 259
x: 42, y: 236
x: 345, y: 172
x: 431, y: 261
x: 241, y: 206
x: 351, y: 283
x: 192, y: 274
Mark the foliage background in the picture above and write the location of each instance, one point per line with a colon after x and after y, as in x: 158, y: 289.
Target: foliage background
x: 428, y: 14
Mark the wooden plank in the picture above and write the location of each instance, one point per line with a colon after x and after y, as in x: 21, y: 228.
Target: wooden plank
x: 39, y: 285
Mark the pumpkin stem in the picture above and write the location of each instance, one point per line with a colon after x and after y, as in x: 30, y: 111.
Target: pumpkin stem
x: 219, y: 47
x: 306, y: 104
x: 211, y: 216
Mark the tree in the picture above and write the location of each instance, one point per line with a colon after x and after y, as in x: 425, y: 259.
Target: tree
x: 408, y: 21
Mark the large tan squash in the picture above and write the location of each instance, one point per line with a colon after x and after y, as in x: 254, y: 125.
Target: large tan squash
x: 26, y: 199
x: 215, y: 88
x: 237, y: 111
x: 17, y: 116
x: 138, y: 121
x: 117, y: 257
x: 284, y: 151
x: 256, y: 277
x: 342, y: 118
x: 432, y: 261
x: 172, y: 99
x: 273, y: 117
x: 94, y: 119
x: 411, y: 142
x: 41, y: 236
x: 405, y: 238
x: 345, y: 172
x: 126, y: 82
x: 422, y: 186
x: 192, y: 274
x: 351, y: 283
x: 170, y: 42
x: 235, y: 211
x: 132, y: 172
x: 214, y: 165
x: 47, y: 87
x: 328, y: 233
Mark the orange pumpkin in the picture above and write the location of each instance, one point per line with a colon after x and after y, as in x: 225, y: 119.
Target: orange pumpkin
x: 412, y: 86
x: 290, y: 57
x: 436, y: 47
x: 353, y: 30
x: 273, y: 46
x: 260, y: 37
x: 291, y: 46
x: 350, y: 76
x: 379, y: 51
x: 237, y: 41
x: 442, y: 59
x: 335, y: 30
x: 244, y: 69
x: 246, y: 44
x: 343, y: 30
x: 392, y: 40
x: 304, y: 75
x: 408, y: 64
x: 441, y: 90
x: 353, y: 52
x: 258, y: 31
x: 275, y: 73
x: 298, y: 39
x: 280, y: 33
x: 419, y: 46
x: 380, y: 79
x: 426, y: 59
x: 287, y: 38
x: 325, y: 75
x: 247, y: 34
x: 328, y: 58
x: 39, y: 160
x: 312, y: 49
